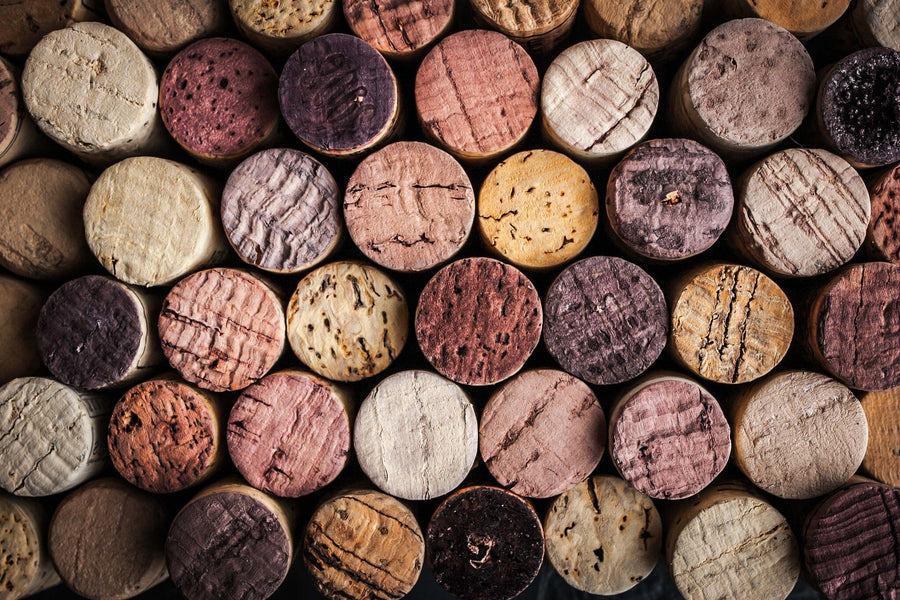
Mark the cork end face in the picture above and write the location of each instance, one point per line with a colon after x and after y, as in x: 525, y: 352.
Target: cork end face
x: 287, y: 22
x: 402, y: 29
x: 26, y: 23
x: 21, y: 550
x: 882, y: 459
x: 20, y: 305
x: 884, y: 227
x: 653, y: 33
x: 803, y: 18
x: 165, y: 27
x: 12, y: 111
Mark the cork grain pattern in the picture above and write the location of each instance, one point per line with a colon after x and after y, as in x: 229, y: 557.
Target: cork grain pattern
x: 20, y: 305
x: 883, y: 233
x: 655, y: 29
x: 399, y: 29
x: 25, y: 23
x: 23, y: 549
x: 803, y: 18
x: 882, y: 459
x: 282, y: 26
x: 18, y: 135
x: 165, y: 26
x: 538, y: 26
x: 878, y: 21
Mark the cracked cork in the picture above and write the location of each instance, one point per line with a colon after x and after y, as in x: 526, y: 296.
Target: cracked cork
x: 279, y: 27
x: 883, y: 232
x: 18, y: 135
x: 400, y: 30
x: 539, y: 26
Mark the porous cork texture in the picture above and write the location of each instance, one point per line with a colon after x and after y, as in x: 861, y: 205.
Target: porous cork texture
x: 657, y: 34
x: 803, y: 18
x: 399, y: 29
x: 538, y: 25
x: 882, y: 459
x: 883, y: 233
x: 23, y: 548
x: 282, y: 26
x: 163, y: 27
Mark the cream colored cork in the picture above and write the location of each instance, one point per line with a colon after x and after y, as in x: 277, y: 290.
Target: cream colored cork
x: 538, y: 25
x: 27, y: 568
x: 537, y: 209
x: 18, y: 135
x: 803, y: 18
x: 163, y: 27
x: 20, y: 305
x: 877, y: 22
x: 882, y: 459
x: 23, y: 23
x: 281, y: 27
x: 150, y: 221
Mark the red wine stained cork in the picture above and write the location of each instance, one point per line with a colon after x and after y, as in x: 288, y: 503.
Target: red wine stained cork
x: 598, y: 99
x: 525, y: 214
x: 409, y: 206
x: 347, y: 321
x: 484, y: 543
x: 107, y: 540
x: 41, y: 236
x: 18, y: 135
x: 150, y: 221
x: 538, y: 26
x: 20, y: 305
x: 163, y: 27
x: 803, y: 18
x: 416, y: 435
x: 339, y: 96
x: 289, y: 433
x: 730, y: 323
x: 476, y: 94
x: 23, y: 24
x: 52, y: 437
x: 92, y: 91
x: 854, y: 326
x: 883, y: 232
x: 166, y: 436
x: 281, y: 211
x: 363, y: 544
x: 280, y: 27
x: 876, y: 22
x: 851, y: 545
x: 669, y: 199
x: 478, y: 321
x: 541, y: 433
x: 606, y: 320
x: 746, y: 87
x: 222, y: 329
x: 230, y: 542
x: 603, y: 536
x: 27, y: 568
x: 400, y: 30
x: 882, y: 459
x: 798, y: 434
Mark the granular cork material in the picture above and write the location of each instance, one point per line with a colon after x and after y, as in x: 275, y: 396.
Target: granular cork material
x: 280, y: 27
x: 164, y: 27
x: 883, y: 234
x: 882, y: 459
x: 23, y: 24
x: 399, y: 29
x: 20, y: 305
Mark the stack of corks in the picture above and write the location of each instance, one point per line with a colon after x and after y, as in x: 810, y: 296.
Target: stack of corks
x: 486, y: 298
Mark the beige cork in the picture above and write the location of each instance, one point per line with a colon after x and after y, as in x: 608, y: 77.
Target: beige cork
x: 598, y: 99
x: 281, y: 27
x: 19, y: 136
x: 20, y: 305
x: 400, y: 30
x: 877, y: 22
x: 883, y: 232
x: 882, y: 459
x: 603, y: 536
x: 27, y: 568
x: 150, y: 221
x: 163, y: 27
x: 538, y: 25
x: 24, y: 23
x: 803, y: 18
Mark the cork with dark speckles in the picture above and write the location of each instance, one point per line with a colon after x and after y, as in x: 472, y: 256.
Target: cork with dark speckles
x: 540, y: 26
x: 27, y: 568
x: 164, y: 27
x: 883, y: 233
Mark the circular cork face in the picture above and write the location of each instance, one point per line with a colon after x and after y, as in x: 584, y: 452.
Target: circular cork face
x: 730, y: 323
x: 21, y: 549
x: 884, y: 227
x: 537, y: 209
x: 477, y: 93
x: 882, y: 459
x: 166, y: 26
x: 484, y: 543
x: 653, y: 33
x: 25, y: 23
x: 20, y: 305
x: 399, y: 29
x: 416, y: 435
x: 881, y: 20
x: 222, y: 329
x: 669, y: 199
x: 289, y: 433
x: 281, y: 211
x: 541, y: 433
x: 282, y: 25
x: 363, y: 544
x: 606, y: 320
x: 803, y: 18
x: 12, y: 111
x: 347, y: 321
x: 524, y: 19
x: 603, y: 536
x: 598, y: 98
x: 409, y: 206
x: 478, y: 321
x: 41, y: 236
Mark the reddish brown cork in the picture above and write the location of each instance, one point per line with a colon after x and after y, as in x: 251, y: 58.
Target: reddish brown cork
x: 399, y: 29
x: 883, y: 234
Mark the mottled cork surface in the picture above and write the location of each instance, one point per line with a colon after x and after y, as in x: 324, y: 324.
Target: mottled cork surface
x: 166, y: 26
x: 27, y: 568
x: 23, y: 24
x: 18, y: 134
x: 878, y: 22
x: 883, y: 233
x: 20, y: 305
x: 282, y: 26
x: 803, y: 18
x: 652, y: 32
x: 538, y: 25
x: 399, y: 29
x: 882, y: 459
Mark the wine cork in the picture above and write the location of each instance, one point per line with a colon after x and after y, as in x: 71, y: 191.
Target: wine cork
x: 805, y: 19
x: 525, y: 215
x: 107, y: 540
x: 538, y: 26
x: 598, y: 99
x: 854, y: 328
x: 668, y: 437
x: 166, y: 436
x: 281, y: 211
x: 53, y: 437
x: 18, y: 135
x: 347, y: 321
x: 41, y: 236
x: 882, y: 459
x: 883, y: 231
x: 416, y: 435
x: 339, y: 96
x: 92, y: 91
x: 27, y: 568
x: 541, y: 433
x: 20, y: 305
x: 484, y: 543
x: 668, y: 199
x: 606, y: 320
x: 876, y: 22
x: 730, y: 323
x: 163, y: 27
x: 289, y: 433
x: 478, y: 321
x: 400, y: 30
x: 603, y: 536
x: 280, y: 27
x: 851, y: 547
x: 222, y: 329
x: 230, y: 542
x: 23, y: 24
x: 476, y: 94
x: 746, y: 87
x: 150, y: 221
x: 363, y: 544
x: 409, y: 206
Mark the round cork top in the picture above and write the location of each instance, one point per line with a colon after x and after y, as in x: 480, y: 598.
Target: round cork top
x: 22, y: 549
x: 541, y: 433
x: 653, y: 33
x: 347, y: 321
x: 537, y: 209
x: 477, y: 93
x: 41, y: 236
x: 409, y: 206
x: 363, y: 544
x: 730, y: 323
x: 25, y: 23
x: 217, y: 99
x: 399, y: 29
x: 803, y: 18
x: 12, y: 111
x: 882, y: 459
x: 282, y: 26
x: 606, y: 320
x: 603, y: 536
x: 281, y: 211
x: 20, y: 305
x: 416, y: 435
x: 883, y: 232
x: 880, y: 19
x: 525, y: 18
x: 669, y: 199
x: 598, y: 98
x: 478, y: 321
x: 166, y: 26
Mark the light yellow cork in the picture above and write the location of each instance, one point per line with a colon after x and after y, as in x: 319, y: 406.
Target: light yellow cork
x: 26, y: 565
x: 282, y: 26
